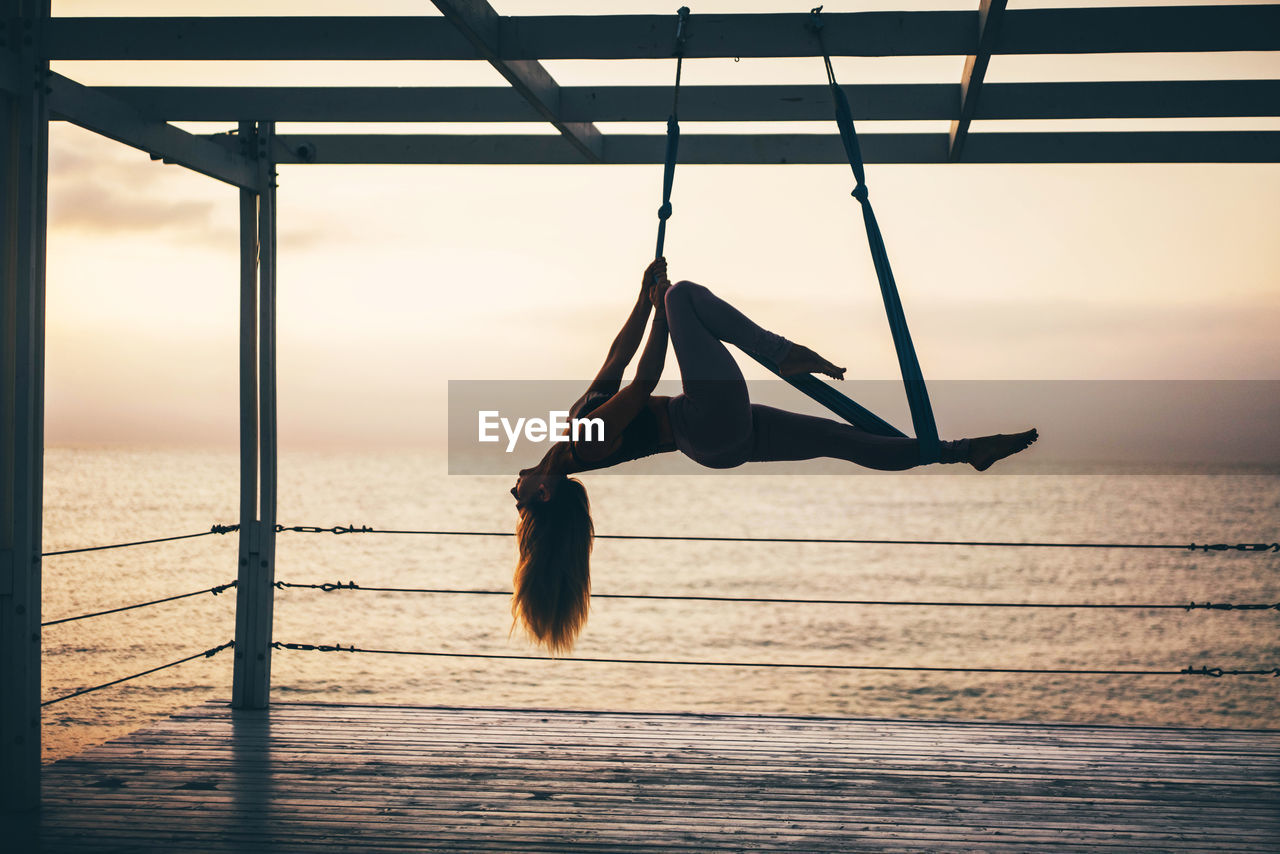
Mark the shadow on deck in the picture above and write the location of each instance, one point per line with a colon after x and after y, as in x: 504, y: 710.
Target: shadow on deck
x: 318, y: 777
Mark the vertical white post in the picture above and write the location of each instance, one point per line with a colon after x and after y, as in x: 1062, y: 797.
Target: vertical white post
x: 255, y: 593
x: 266, y: 398
x: 246, y: 669
x: 24, y: 169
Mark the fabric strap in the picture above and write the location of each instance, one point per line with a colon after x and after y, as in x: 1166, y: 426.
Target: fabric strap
x: 912, y: 378
x: 673, y: 135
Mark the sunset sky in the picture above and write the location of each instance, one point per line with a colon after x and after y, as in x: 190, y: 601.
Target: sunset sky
x: 394, y: 280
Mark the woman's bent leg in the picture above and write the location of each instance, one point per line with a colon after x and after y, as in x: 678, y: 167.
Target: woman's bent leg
x: 719, y: 321
x: 712, y: 419
x: 781, y: 435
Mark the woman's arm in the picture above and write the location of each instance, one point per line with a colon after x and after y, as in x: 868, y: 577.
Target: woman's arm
x: 627, y: 341
x: 654, y: 357
x: 618, y: 411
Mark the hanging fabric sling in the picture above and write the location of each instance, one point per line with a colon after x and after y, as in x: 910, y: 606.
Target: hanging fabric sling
x: 838, y: 403
x: 917, y: 395
x: 673, y: 134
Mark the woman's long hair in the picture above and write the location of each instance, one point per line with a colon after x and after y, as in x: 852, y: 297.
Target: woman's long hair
x: 553, y: 577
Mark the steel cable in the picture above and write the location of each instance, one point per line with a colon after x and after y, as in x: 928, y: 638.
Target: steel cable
x: 208, y: 653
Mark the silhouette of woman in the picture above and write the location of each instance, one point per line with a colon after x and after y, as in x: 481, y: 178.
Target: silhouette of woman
x: 713, y: 422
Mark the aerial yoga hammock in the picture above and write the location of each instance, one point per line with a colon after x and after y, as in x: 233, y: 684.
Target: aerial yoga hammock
x: 843, y: 406
x: 713, y: 421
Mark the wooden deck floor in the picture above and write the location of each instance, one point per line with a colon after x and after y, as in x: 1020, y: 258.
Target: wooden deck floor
x: 310, y: 777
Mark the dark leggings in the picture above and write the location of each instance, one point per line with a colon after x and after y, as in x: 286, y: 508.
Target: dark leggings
x: 716, y: 424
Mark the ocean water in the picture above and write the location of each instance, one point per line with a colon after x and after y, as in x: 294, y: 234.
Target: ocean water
x: 104, y: 495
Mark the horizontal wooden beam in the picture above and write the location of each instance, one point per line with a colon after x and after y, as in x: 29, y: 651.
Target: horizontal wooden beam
x: 290, y: 38
x: 1125, y: 147
x: 523, y: 38
x: 887, y: 102
x: 1158, y: 99
x: 122, y: 122
x: 1141, y: 29
x: 1049, y: 31
x: 500, y: 104
x: 1118, y: 147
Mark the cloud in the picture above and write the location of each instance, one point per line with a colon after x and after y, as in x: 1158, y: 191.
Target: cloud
x: 90, y: 206
x: 97, y: 187
x: 100, y: 188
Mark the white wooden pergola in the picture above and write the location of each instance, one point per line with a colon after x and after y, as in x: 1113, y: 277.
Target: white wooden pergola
x: 246, y: 158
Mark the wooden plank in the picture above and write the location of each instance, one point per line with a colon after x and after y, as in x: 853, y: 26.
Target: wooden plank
x: 708, y: 780
x: 24, y: 171
x: 255, y: 593
x: 522, y: 38
x: 618, y: 149
x: 501, y: 104
x: 820, y: 806
x: 938, y: 735
x: 817, y: 792
x: 403, y: 820
x: 1067, y: 768
x: 1048, y: 31
x: 257, y: 691
x: 400, y: 821
x: 472, y: 716
x: 285, y: 38
x: 335, y: 778
x: 1159, y: 29
x: 1134, y: 147
x: 497, y: 149
x: 389, y: 738
x: 696, y: 724
x: 248, y: 564
x: 720, y: 766
x: 876, y: 102
x: 1130, y: 99
x: 739, y: 35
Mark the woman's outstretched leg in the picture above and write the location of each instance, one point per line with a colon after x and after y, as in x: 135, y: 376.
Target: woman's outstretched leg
x: 780, y: 435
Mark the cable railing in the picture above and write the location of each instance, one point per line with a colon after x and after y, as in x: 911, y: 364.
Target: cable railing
x: 1210, y: 547
x: 220, y: 588
x: 208, y: 653
x: 216, y: 529
x: 352, y: 586
x: 1190, y: 670
x: 215, y: 590
x: 331, y: 586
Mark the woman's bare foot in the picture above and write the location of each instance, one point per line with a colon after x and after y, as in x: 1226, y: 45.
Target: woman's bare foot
x: 986, y: 450
x: 801, y: 360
